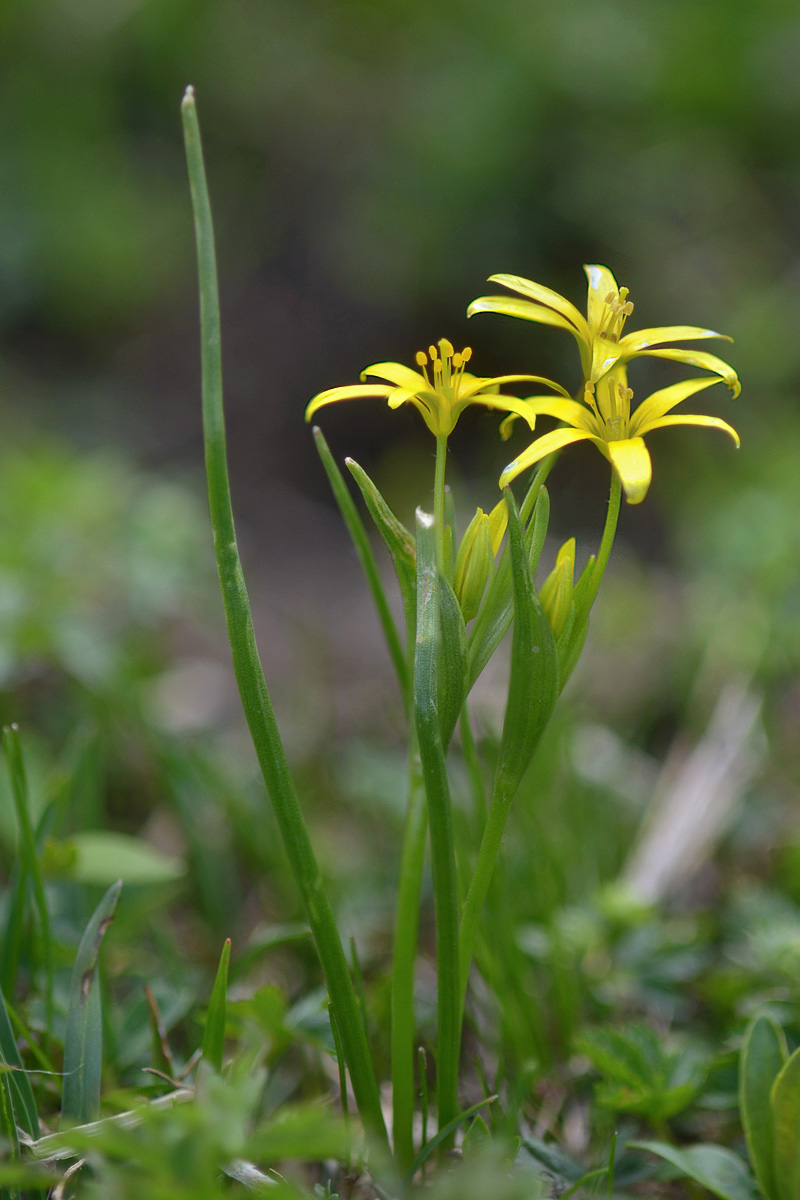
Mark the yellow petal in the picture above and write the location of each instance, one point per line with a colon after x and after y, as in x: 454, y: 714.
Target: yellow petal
x: 692, y: 419
x: 570, y: 411
x: 356, y: 391
x: 601, y: 282
x: 475, y: 385
x: 631, y: 460
x: 399, y: 375
x: 546, y: 296
x: 541, y: 448
x: 642, y: 339
x: 700, y: 358
x: 661, y: 402
x: 509, y: 306
x: 506, y: 404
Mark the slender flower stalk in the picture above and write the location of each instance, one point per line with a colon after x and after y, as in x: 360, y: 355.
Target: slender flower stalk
x: 247, y: 664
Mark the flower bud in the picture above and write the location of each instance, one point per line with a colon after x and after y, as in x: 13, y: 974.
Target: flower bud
x: 473, y: 564
x: 556, y: 591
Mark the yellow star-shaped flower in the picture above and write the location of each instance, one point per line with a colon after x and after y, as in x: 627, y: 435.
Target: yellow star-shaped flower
x: 441, y: 389
x: 606, y: 419
x: 600, y: 337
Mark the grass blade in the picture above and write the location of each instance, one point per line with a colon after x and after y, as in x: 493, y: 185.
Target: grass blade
x: 214, y: 1033
x: 28, y: 854
x: 83, y: 1042
x: 25, y: 1106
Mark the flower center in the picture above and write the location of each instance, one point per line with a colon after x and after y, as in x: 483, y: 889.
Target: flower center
x: 447, y: 367
x: 611, y: 404
x: 616, y: 310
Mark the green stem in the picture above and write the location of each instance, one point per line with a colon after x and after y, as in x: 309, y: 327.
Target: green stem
x: 606, y: 542
x: 473, y: 765
x: 403, y: 959
x: 247, y: 664
x: 481, y: 878
x: 440, y: 820
x: 438, y: 497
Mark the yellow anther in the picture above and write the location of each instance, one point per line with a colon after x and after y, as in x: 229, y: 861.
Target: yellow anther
x: 434, y: 353
x: 421, y: 358
x: 446, y: 348
x: 466, y: 353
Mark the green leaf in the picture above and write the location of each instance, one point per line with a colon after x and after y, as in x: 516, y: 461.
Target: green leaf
x: 785, y: 1097
x: 534, y: 681
x: 763, y: 1055
x: 452, y: 665
x: 399, y: 542
x: 99, y: 857
x: 214, y: 1033
x: 358, y: 535
x: 715, y: 1168
x: 83, y: 1040
x: 476, y: 1136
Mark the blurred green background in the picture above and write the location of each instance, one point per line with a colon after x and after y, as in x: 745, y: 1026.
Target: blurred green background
x: 370, y: 164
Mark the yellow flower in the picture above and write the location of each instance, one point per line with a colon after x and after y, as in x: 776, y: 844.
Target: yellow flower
x: 606, y: 419
x: 599, y: 334
x: 441, y: 389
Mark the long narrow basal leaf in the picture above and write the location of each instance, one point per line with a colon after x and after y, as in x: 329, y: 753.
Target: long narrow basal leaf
x: 715, y: 1168
x: 83, y: 1041
x: 452, y: 671
x: 25, y: 1104
x: 763, y: 1055
x: 360, y: 540
x: 214, y: 1033
x: 534, y: 680
x: 248, y: 669
x: 785, y: 1097
x: 399, y: 542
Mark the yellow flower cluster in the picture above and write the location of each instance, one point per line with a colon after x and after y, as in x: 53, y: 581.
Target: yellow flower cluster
x: 442, y: 388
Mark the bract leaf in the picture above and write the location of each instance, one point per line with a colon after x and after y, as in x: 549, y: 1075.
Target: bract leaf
x: 399, y: 542
x: 534, y: 681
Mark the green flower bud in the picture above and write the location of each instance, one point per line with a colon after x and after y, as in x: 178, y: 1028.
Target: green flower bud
x: 473, y: 564
x: 556, y: 591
